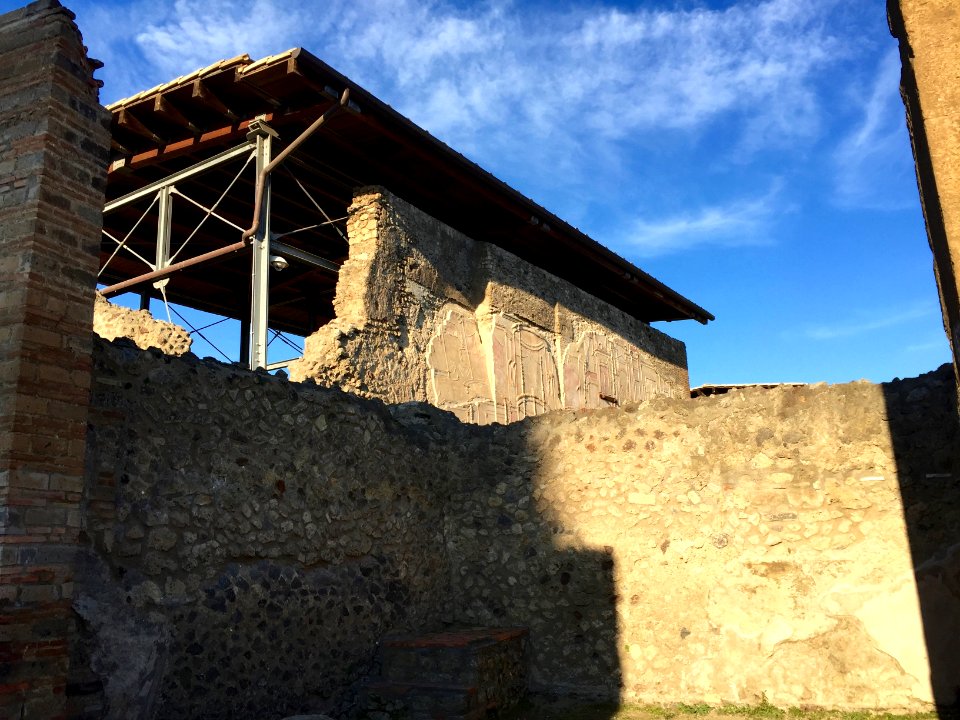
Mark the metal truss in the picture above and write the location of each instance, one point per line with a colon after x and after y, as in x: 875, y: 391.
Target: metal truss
x: 257, y: 151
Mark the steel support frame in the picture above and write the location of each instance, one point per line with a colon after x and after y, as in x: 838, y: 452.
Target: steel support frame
x: 176, y: 177
x: 164, y: 230
x: 163, y: 190
x: 253, y: 333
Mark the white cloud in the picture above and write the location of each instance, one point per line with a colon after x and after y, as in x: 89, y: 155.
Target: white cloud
x: 745, y: 221
x: 940, y: 344
x: 558, y: 100
x: 198, y: 33
x: 466, y: 73
x: 873, y: 164
x: 876, y: 320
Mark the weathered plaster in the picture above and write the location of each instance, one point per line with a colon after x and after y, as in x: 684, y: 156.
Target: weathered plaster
x: 425, y: 313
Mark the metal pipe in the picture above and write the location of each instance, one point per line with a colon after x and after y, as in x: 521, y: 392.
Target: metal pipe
x: 171, y: 269
x: 262, y: 177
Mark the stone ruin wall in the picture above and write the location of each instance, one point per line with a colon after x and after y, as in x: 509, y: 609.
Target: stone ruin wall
x: 234, y: 544
x: 763, y: 543
x: 251, y: 539
x: 425, y: 313
x: 112, y: 321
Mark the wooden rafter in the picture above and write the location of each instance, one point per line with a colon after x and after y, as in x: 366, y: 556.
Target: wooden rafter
x: 129, y: 121
x: 215, y: 137
x: 164, y: 107
x: 202, y: 91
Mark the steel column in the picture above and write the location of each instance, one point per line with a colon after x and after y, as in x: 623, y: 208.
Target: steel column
x: 164, y: 227
x: 263, y: 134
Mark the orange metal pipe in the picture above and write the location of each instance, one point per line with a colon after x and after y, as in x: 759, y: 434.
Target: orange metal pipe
x: 170, y: 269
x: 262, y: 177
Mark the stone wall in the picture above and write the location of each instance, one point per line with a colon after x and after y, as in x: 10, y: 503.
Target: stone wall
x: 763, y: 543
x: 425, y: 313
x: 929, y: 36
x: 115, y: 321
x: 252, y: 539
x: 53, y: 154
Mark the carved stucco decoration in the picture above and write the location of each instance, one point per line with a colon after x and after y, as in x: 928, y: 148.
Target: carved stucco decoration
x: 502, y: 369
x: 458, y: 369
x: 526, y: 381
x: 599, y: 370
x: 511, y: 376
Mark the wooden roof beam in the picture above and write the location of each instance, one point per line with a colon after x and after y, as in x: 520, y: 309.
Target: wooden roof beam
x: 118, y: 148
x: 163, y: 106
x: 324, y: 90
x: 216, y: 137
x: 203, y: 92
x: 129, y: 121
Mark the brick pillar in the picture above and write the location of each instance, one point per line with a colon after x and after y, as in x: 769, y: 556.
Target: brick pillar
x: 929, y: 35
x: 54, y: 142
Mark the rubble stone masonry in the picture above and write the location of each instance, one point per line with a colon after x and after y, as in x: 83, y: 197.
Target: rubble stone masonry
x: 185, y: 539
x: 112, y: 321
x: 254, y: 538
x: 53, y: 152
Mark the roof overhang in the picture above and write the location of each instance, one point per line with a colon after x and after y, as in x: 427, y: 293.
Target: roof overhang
x: 175, y: 125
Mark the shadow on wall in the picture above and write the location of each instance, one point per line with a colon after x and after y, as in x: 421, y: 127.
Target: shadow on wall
x: 516, y: 562
x: 924, y: 430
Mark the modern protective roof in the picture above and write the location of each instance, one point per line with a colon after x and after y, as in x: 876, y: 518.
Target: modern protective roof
x: 177, y: 124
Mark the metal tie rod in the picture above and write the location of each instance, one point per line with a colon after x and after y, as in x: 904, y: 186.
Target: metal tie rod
x: 171, y: 269
x: 303, y: 256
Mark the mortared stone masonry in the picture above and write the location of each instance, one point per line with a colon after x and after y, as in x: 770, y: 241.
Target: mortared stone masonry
x: 54, y: 141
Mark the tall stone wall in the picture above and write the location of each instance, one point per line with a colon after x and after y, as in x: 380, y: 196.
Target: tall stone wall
x: 252, y: 539
x: 929, y: 36
x: 425, y: 313
x: 53, y: 155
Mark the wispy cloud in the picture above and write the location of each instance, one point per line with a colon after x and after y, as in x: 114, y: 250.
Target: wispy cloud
x: 873, y: 165
x: 496, y: 76
x: 744, y: 221
x: 195, y: 33
x: 877, y: 320
x: 940, y: 344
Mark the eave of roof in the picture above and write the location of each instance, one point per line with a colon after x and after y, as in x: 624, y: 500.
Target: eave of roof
x: 280, y: 82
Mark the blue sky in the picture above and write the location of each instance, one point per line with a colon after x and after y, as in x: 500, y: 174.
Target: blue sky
x: 752, y: 155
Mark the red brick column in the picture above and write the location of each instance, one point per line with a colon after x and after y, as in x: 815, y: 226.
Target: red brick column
x: 53, y: 152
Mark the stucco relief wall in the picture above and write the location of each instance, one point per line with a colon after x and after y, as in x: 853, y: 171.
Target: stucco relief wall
x: 502, y: 369
x: 425, y: 313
